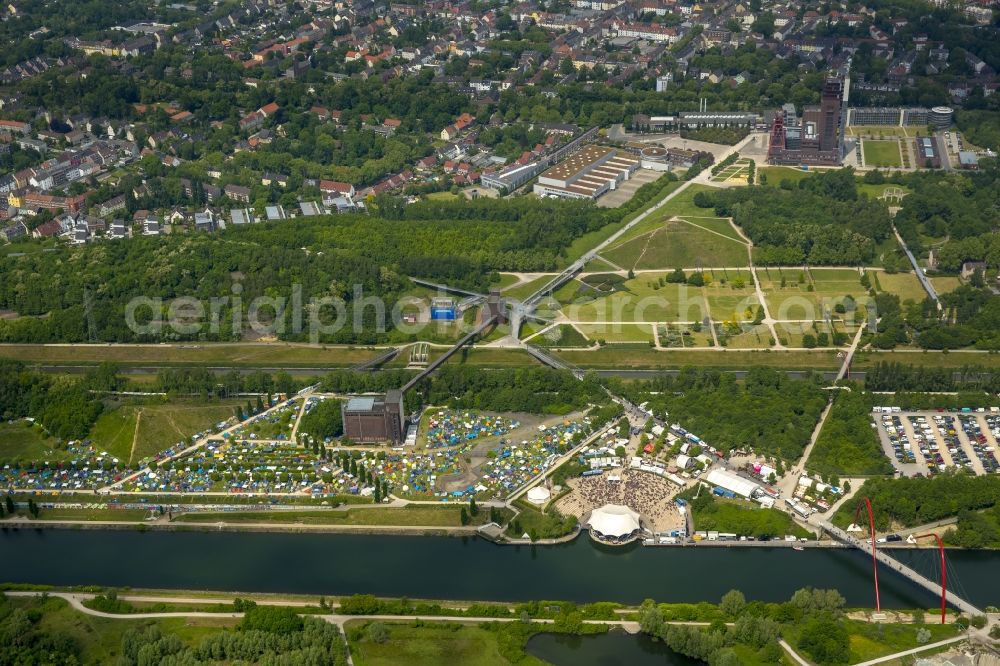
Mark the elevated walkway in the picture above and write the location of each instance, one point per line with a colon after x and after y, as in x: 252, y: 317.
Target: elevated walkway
x: 885, y: 560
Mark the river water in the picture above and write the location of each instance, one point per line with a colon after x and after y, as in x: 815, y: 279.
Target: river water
x: 467, y: 568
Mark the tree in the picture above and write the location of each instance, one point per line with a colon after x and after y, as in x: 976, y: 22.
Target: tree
x: 464, y: 516
x: 733, y: 602
x: 473, y: 509
x: 377, y: 633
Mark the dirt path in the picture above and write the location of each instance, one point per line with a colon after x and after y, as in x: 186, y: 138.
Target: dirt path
x: 135, y: 435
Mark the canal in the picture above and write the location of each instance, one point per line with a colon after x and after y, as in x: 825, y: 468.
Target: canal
x: 468, y: 568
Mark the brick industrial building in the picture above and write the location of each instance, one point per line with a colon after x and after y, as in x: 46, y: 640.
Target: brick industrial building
x: 375, y: 418
x: 818, y: 139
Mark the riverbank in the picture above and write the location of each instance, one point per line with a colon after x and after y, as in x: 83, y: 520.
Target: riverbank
x: 411, y: 633
x: 463, y: 531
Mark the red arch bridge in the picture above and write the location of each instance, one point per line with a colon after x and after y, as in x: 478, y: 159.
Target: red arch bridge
x: 868, y: 544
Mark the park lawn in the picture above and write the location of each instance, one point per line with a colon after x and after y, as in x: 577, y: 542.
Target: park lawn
x: 415, y: 515
x: 506, y: 280
x: 591, y: 239
x: 563, y: 335
x: 429, y: 644
x: 637, y: 301
x: 720, y: 225
x: 776, y: 174
x: 870, y: 641
x: 905, y: 285
x: 160, y: 425
x: 748, y: 657
x: 681, y: 205
x: 618, y: 332
x: 757, y: 338
x: 681, y: 244
x: 100, y: 638
x: 796, y: 301
x: 117, y: 515
x: 681, y: 336
x: 942, y: 285
x: 23, y: 440
x: 955, y: 358
x: 234, y: 354
x: 525, y: 290
x: 879, y: 130
x: 875, y: 191
x: 881, y: 153
x: 642, y: 358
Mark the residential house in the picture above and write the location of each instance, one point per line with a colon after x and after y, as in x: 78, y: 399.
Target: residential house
x: 237, y: 193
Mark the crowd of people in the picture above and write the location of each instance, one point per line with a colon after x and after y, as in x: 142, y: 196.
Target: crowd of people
x: 649, y: 494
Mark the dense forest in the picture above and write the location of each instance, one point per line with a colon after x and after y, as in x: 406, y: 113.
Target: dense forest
x: 960, y: 210
x: 768, y: 411
x: 63, y: 406
x: 345, y: 257
x: 912, y: 501
x: 821, y: 221
x: 751, y: 630
x: 325, y: 420
x: 532, y: 389
x: 848, y: 445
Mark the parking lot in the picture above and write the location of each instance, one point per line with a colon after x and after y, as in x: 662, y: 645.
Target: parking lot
x: 930, y: 442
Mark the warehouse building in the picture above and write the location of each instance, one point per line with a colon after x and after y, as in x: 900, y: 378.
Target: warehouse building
x: 587, y: 174
x: 370, y: 419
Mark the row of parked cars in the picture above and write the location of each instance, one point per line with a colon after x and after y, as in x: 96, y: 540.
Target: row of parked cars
x: 980, y: 444
x: 897, y: 437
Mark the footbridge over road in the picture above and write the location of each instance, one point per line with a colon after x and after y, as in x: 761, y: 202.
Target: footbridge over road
x: 934, y: 587
x: 489, y: 319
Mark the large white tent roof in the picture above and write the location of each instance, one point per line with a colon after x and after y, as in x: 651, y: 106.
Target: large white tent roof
x: 733, y: 482
x: 539, y: 495
x: 614, y: 520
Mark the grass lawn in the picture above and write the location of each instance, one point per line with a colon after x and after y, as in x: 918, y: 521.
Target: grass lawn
x: 587, y: 241
x: 645, y: 358
x: 870, y: 641
x: 237, y: 354
x: 875, y: 191
x: 506, y: 280
x: 905, y: 285
x: 416, y: 515
x: 618, y: 332
x: 526, y: 289
x: 942, y: 285
x: 681, y: 205
x: 562, y: 335
x: 881, y: 153
x: 642, y: 299
x: 682, y: 244
x: 432, y: 644
x: 878, y: 130
x: 806, y: 293
x: 159, y: 425
x: 776, y: 174
x: 123, y: 515
x: 745, y: 518
x: 22, y: 440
